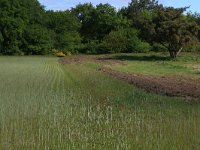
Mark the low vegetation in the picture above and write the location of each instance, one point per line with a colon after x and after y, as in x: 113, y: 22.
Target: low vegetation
x: 132, y: 95
x: 47, y: 105
x: 158, y: 64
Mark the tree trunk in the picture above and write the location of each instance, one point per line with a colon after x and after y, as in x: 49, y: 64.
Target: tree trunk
x: 173, y: 51
x: 179, y: 50
x: 170, y: 48
x: 173, y: 54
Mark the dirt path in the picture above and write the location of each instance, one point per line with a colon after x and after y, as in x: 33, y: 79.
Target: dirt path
x: 104, y: 60
x: 167, y: 85
x: 170, y: 86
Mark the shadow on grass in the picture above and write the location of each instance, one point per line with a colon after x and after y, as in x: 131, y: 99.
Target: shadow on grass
x: 142, y: 58
x: 197, y: 72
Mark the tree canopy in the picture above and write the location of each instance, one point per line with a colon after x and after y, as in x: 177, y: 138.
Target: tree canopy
x: 26, y: 28
x: 174, y: 31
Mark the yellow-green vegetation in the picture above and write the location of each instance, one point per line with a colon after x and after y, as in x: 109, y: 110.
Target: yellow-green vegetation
x: 59, y: 53
x: 46, y: 105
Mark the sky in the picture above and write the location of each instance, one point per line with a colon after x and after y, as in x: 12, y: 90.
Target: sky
x: 66, y: 4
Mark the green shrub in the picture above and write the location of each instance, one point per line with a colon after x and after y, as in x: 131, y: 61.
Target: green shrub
x: 156, y: 47
x: 142, y: 47
x: 192, y: 48
x: 115, y: 42
x: 91, y: 47
x: 125, y: 40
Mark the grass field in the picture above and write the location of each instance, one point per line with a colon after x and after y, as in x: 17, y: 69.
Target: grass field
x: 187, y: 64
x: 46, y: 105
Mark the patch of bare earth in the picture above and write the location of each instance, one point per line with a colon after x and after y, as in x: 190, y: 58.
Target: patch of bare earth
x: 109, y: 61
x: 79, y: 59
x: 167, y: 85
x: 75, y: 59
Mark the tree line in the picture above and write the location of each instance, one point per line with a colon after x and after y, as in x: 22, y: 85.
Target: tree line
x: 26, y: 28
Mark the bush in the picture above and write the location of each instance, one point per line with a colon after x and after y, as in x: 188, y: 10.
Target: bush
x: 91, y: 47
x: 115, y: 42
x: 192, y: 48
x: 158, y: 47
x: 142, y: 47
x: 60, y: 54
x: 125, y: 40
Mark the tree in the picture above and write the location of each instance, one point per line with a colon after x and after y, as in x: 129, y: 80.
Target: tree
x: 12, y: 24
x: 85, y: 14
x: 64, y: 27
x: 174, y: 31
x: 106, y: 20
x: 142, y: 14
x: 37, y: 40
x: 97, y: 22
x: 35, y: 12
x: 138, y: 6
x: 195, y: 17
x: 16, y: 18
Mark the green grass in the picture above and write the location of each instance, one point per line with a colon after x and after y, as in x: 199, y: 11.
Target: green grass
x: 186, y: 64
x: 45, y: 105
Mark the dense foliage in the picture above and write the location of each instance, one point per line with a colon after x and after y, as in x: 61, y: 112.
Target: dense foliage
x: 26, y: 28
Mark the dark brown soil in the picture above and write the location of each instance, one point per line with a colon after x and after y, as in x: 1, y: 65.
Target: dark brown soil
x: 167, y: 85
x: 108, y: 61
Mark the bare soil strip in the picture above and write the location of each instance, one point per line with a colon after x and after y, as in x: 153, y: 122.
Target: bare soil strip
x: 166, y: 85
x: 78, y: 59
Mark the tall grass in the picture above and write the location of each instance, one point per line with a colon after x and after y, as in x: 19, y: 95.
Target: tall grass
x: 44, y: 105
